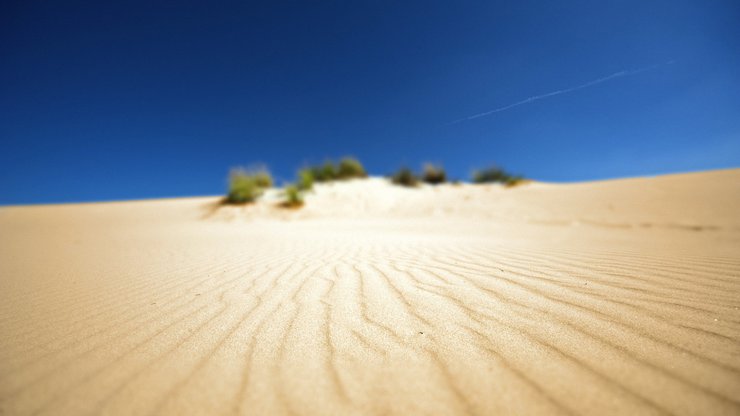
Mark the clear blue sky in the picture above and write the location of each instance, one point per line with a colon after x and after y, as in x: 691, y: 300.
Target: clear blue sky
x: 141, y: 99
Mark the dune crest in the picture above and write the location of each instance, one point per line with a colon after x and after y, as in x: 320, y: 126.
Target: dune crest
x: 612, y: 297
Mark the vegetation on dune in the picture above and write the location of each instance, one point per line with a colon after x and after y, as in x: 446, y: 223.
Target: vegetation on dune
x: 433, y: 174
x: 489, y: 175
x: 305, y: 179
x: 293, y: 197
x: 263, y: 178
x: 327, y: 172
x: 495, y: 174
x: 316, y: 173
x: 405, y: 177
x: 246, y: 186
x: 515, y: 180
x: 324, y: 173
x: 347, y: 168
x: 350, y: 168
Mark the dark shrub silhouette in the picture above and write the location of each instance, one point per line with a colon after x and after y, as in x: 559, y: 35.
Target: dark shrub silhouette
x: 433, y: 174
x: 405, y: 177
x: 495, y: 174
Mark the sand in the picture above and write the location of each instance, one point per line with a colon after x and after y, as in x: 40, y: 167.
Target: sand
x: 612, y: 297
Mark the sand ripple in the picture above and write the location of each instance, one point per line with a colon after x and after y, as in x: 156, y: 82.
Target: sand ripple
x: 104, y: 313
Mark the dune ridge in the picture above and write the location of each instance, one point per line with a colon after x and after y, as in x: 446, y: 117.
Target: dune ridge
x: 612, y: 297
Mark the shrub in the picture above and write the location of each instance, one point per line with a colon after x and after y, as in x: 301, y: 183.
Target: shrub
x: 350, y: 168
x: 305, y: 179
x: 405, y: 177
x: 263, y: 178
x: 293, y: 197
x: 434, y: 174
x: 514, y: 181
x: 246, y: 186
x: 497, y: 175
x: 325, y: 172
x: 317, y: 173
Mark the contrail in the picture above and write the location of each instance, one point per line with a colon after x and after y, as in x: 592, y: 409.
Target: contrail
x: 620, y: 74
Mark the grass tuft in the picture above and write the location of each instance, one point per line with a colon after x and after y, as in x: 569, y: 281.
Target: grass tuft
x: 263, y: 178
x: 305, y: 179
x: 350, y: 168
x: 495, y: 174
x: 405, y: 177
x: 347, y: 168
x: 515, y: 181
x: 293, y: 197
x: 434, y: 174
x: 246, y: 186
x: 324, y: 173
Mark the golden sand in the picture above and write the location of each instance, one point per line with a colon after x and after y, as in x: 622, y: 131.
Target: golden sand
x: 613, y: 297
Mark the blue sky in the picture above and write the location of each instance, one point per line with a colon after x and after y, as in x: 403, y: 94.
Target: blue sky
x: 144, y: 99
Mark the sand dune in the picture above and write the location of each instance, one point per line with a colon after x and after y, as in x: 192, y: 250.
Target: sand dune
x: 613, y: 297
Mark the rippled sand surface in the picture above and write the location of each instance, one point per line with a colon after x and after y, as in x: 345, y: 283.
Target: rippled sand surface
x: 614, y: 297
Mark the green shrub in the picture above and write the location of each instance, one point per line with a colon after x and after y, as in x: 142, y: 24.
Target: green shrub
x: 514, y: 181
x: 305, y: 179
x: 293, y: 197
x: 317, y: 173
x: 495, y: 175
x: 263, y: 178
x: 434, y: 174
x: 246, y: 186
x: 405, y: 177
x: 350, y: 168
x: 324, y: 173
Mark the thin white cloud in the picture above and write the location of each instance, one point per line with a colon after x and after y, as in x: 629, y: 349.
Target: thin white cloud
x: 620, y: 74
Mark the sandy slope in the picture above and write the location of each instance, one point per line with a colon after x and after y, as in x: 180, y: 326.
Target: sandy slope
x: 616, y: 297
